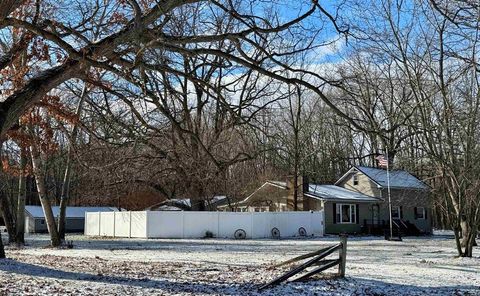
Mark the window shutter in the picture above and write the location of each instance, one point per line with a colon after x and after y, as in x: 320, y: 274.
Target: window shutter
x: 401, y: 212
x: 415, y: 213
x: 426, y: 211
x: 356, y: 214
x: 334, y: 213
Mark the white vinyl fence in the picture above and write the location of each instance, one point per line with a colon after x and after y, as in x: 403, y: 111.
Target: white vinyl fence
x: 159, y: 224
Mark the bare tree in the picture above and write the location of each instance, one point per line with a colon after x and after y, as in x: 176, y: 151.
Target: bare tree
x: 440, y: 73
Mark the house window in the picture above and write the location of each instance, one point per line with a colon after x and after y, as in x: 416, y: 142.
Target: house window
x: 396, y: 212
x: 346, y: 213
x: 42, y: 222
x: 420, y: 214
x: 355, y: 180
x: 261, y: 209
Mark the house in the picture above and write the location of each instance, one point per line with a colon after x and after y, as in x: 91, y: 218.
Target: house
x: 344, y: 209
x: 410, y: 198
x: 75, y: 218
x: 357, y: 202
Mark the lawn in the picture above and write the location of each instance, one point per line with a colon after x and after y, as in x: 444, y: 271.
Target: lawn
x: 99, y: 266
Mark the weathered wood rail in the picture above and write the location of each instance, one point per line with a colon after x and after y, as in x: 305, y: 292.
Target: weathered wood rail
x: 315, y: 261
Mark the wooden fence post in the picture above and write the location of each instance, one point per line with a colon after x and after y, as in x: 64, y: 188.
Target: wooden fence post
x: 342, y: 255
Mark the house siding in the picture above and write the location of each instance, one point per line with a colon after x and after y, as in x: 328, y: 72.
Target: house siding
x: 408, y: 200
x: 365, y: 185
x: 364, y: 212
x: 72, y: 225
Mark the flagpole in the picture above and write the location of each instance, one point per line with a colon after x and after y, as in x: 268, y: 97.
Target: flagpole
x: 388, y: 190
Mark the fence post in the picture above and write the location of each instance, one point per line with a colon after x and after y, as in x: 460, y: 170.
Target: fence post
x: 114, y: 223
x: 342, y: 255
x: 183, y: 224
x: 130, y: 224
x: 218, y: 224
x: 85, y: 230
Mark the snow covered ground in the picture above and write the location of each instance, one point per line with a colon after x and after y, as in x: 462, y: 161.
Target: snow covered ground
x: 416, y: 266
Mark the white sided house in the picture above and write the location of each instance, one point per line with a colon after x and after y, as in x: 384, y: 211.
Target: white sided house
x: 75, y: 218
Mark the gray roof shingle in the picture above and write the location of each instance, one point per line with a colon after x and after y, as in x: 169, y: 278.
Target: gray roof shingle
x: 72, y: 212
x: 333, y: 192
x: 398, y: 178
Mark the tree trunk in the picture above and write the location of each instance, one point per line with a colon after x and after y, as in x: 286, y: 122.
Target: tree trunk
x: 458, y: 244
x: 64, y: 199
x: 295, y: 191
x: 465, y: 231
x: 8, y: 216
x: 42, y: 194
x: 6, y: 211
x: 20, y: 225
x: 2, y: 249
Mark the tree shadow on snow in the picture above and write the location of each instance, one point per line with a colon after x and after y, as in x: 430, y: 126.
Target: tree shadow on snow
x: 185, y: 245
x: 26, y: 269
x: 349, y: 285
x: 363, y: 286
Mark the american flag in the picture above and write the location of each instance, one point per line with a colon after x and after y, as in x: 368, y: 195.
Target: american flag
x: 382, y: 161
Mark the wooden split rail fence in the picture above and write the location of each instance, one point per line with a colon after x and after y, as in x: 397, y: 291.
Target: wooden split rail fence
x: 315, y: 261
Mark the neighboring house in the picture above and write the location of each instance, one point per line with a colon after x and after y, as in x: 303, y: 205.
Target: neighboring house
x: 75, y: 218
x: 187, y: 204
x: 410, y: 197
x: 270, y: 197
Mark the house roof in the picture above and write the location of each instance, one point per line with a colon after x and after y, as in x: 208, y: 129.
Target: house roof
x: 174, y: 204
x: 72, y: 212
x: 168, y: 208
x: 398, y: 178
x: 322, y: 192
x: 180, y: 204
x: 337, y: 193
x: 276, y: 184
x: 279, y: 184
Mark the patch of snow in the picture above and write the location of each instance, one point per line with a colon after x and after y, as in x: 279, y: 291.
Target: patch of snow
x: 100, y: 266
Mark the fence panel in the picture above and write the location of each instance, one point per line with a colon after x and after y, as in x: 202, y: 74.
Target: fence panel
x: 138, y: 224
x: 230, y: 222
x: 317, y: 222
x: 92, y: 224
x: 168, y: 224
x: 107, y: 224
x: 196, y: 224
x: 122, y: 224
x: 262, y: 224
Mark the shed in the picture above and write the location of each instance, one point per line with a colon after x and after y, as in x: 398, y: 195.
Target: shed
x: 75, y: 218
